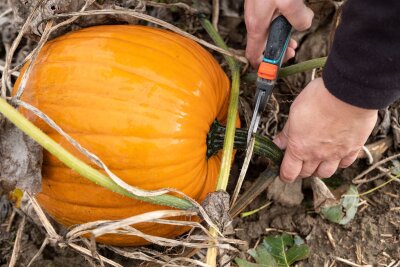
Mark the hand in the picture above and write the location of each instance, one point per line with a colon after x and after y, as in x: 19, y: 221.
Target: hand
x: 258, y: 15
x: 322, y: 133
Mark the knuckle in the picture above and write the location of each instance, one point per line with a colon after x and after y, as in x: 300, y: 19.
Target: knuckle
x: 253, y: 26
x: 326, y: 171
x: 254, y: 60
x: 319, y: 155
x: 296, y: 150
x: 285, y: 5
x: 304, y: 24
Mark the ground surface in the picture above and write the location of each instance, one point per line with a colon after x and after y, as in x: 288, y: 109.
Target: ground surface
x: 371, y: 238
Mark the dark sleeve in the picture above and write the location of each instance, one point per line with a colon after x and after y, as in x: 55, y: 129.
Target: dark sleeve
x: 363, y: 66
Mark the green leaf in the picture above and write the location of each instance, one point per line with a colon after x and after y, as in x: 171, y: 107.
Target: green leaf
x: 243, y: 263
x: 262, y: 256
x: 346, y: 210
x: 350, y: 202
x: 297, y: 253
x: 333, y: 213
x: 277, y: 251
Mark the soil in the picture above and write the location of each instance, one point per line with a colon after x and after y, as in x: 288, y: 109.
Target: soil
x: 373, y: 237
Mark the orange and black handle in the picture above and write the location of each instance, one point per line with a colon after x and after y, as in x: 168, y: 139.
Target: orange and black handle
x: 278, y: 40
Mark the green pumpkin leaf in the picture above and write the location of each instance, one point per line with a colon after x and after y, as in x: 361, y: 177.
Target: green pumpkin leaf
x: 277, y: 251
x: 297, y: 253
x: 350, y: 202
x: 346, y: 210
x: 243, y: 263
x: 333, y: 213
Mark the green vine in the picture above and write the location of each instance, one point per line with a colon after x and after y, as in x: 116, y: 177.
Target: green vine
x: 292, y: 69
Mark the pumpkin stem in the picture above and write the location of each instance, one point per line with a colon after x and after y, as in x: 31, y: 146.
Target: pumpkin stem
x: 263, y: 145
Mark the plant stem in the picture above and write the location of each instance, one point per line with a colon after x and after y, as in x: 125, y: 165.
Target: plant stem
x: 302, y: 66
x: 227, y: 153
x: 79, y: 166
x: 232, y: 110
x: 293, y: 69
x: 392, y: 178
x: 263, y: 145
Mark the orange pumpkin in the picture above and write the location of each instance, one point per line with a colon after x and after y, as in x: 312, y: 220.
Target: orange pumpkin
x: 143, y: 100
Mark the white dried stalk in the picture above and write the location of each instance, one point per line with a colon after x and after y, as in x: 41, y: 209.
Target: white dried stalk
x: 145, y: 217
x: 155, y: 21
x: 49, y: 28
x: 43, y: 219
x: 10, y: 54
x: 44, y: 244
x: 191, y: 224
x: 167, y: 242
x: 182, y: 260
x: 376, y: 165
x: 6, y: 12
x: 168, y: 5
x: 347, y: 262
x: 17, y: 243
x: 219, y: 239
x: 124, y: 227
x: 89, y: 253
x: 35, y: 53
x: 13, y: 73
x: 137, y: 255
x: 215, y: 13
x: 165, y: 261
x: 243, y: 171
x: 52, y: 235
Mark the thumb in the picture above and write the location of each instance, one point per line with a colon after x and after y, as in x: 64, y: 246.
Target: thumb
x: 281, y: 139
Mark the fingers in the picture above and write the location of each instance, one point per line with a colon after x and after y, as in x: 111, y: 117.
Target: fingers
x: 290, y: 167
x: 281, y: 139
x: 290, y: 51
x: 297, y: 13
x: 308, y: 168
x: 327, y: 168
x: 347, y: 161
x: 258, y: 16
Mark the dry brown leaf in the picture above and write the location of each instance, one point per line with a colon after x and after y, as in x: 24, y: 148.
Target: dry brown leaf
x: 20, y: 160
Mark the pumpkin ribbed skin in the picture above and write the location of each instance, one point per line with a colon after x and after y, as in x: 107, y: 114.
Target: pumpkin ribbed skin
x: 140, y: 98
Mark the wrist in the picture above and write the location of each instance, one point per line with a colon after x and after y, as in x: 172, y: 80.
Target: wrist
x: 342, y: 107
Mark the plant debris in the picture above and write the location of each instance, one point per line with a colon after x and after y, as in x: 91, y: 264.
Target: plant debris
x: 21, y: 160
x: 216, y: 206
x: 286, y: 194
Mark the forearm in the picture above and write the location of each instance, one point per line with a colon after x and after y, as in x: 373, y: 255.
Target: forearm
x: 363, y: 67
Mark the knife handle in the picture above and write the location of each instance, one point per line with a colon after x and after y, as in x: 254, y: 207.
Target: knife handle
x: 278, y: 40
